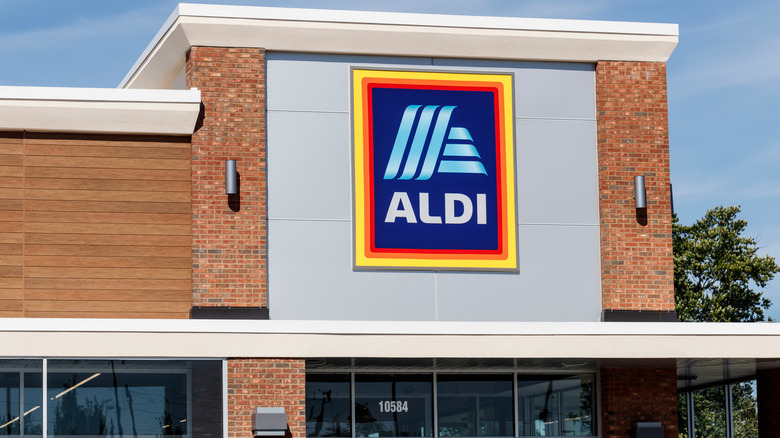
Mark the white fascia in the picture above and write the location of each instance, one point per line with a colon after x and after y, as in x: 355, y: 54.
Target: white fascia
x: 392, y: 34
x: 385, y: 339
x: 99, y: 110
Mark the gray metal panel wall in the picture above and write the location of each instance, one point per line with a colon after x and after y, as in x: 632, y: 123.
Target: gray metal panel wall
x: 310, y: 201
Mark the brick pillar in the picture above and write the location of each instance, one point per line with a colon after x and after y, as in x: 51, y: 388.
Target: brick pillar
x: 266, y: 383
x: 229, y: 233
x: 633, y: 139
x: 768, y: 388
x: 630, y: 395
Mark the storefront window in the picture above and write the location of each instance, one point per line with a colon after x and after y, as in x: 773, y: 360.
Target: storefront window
x: 20, y: 397
x: 134, y: 398
x: 328, y: 406
x: 727, y: 411
x: 710, y: 412
x: 463, y: 405
x: 556, y: 405
x: 682, y: 415
x: 744, y: 402
x: 393, y: 405
x: 475, y: 405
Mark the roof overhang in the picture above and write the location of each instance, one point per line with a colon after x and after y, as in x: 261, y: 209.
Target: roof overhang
x: 392, y: 34
x: 99, y: 110
x: 42, y: 337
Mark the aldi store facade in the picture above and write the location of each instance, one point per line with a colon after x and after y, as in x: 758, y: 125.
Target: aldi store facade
x: 364, y: 224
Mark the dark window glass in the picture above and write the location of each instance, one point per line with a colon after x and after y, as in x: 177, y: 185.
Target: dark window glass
x: 32, y: 414
x: 9, y: 403
x: 20, y: 397
x: 116, y: 398
x: 327, y: 405
x: 393, y: 405
x: 475, y: 405
x: 556, y: 405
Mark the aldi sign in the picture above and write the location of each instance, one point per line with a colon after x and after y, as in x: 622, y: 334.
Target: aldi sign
x: 434, y: 170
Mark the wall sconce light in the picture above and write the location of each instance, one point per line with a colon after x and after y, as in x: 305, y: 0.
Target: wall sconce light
x: 640, y: 197
x: 269, y: 422
x: 231, y: 177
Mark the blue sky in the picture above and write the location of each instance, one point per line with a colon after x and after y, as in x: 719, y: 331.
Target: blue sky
x: 724, y: 116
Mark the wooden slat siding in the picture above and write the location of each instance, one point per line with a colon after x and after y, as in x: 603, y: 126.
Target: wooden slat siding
x: 11, y: 225
x: 149, y: 314
x: 86, y: 251
x: 137, y: 175
x: 104, y: 184
x: 115, y: 284
x: 108, y: 207
x: 99, y: 217
x: 105, y: 151
x: 124, y: 261
x: 127, y: 295
x: 107, y: 227
x: 146, y: 240
x: 93, y: 228
x: 58, y: 305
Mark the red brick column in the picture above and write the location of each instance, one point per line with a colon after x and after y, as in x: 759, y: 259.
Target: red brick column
x: 229, y: 234
x: 630, y: 395
x: 633, y: 139
x: 256, y: 383
x: 768, y: 388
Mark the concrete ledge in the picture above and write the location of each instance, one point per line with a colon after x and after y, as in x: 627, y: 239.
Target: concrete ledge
x: 392, y: 34
x: 96, y: 110
x: 392, y: 339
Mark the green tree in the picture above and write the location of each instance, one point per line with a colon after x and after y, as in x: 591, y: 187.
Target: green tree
x: 716, y: 269
x: 716, y: 272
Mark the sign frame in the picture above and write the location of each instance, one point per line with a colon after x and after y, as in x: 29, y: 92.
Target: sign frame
x: 366, y: 254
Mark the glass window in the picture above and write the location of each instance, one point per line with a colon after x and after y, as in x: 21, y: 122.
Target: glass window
x: 744, y: 404
x: 682, y: 415
x: 327, y: 405
x: 136, y: 398
x: 393, y: 405
x: 709, y: 412
x: 556, y: 405
x: 20, y: 397
x: 475, y: 405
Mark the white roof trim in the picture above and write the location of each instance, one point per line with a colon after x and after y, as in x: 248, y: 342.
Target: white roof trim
x: 353, y: 32
x: 301, y: 339
x: 99, y: 110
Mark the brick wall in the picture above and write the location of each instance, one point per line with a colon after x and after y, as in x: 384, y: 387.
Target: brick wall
x: 630, y: 395
x: 768, y: 388
x: 633, y: 139
x: 229, y: 233
x: 266, y: 383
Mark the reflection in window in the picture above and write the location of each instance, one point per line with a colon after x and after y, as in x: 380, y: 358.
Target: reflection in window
x: 134, y: 398
x: 556, y: 405
x: 475, y: 405
x: 393, y: 405
x: 709, y: 408
x: 710, y: 412
x: 327, y: 405
x: 20, y: 397
x: 744, y: 402
x: 682, y: 416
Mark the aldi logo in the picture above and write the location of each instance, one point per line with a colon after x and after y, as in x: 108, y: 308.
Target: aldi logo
x: 434, y: 170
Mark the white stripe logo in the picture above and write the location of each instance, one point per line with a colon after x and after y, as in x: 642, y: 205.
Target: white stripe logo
x: 459, y: 155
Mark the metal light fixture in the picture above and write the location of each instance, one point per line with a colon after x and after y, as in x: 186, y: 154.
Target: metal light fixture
x: 231, y: 177
x: 269, y: 422
x: 640, y: 197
